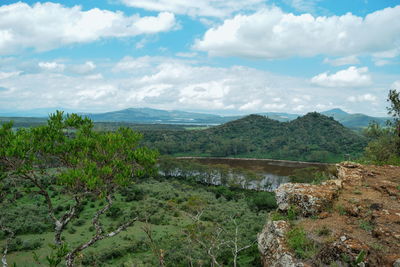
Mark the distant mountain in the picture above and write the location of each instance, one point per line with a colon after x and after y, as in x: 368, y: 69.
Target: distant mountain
x: 280, y: 116
x: 312, y: 137
x: 149, y: 115
x: 154, y: 116
x: 357, y: 120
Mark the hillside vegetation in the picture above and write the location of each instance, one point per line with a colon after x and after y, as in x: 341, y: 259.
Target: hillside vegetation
x: 313, y: 137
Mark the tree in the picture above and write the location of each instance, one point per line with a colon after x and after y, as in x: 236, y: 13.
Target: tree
x: 384, y: 145
x: 68, y: 156
x: 394, y: 109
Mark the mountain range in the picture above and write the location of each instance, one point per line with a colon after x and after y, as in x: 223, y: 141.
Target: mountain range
x: 149, y: 115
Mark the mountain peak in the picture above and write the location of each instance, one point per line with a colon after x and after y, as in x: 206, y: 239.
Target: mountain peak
x: 335, y: 111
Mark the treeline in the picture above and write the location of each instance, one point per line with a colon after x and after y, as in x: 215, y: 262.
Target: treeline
x: 313, y: 137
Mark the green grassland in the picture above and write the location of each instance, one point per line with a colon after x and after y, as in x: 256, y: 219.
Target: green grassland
x: 162, y: 204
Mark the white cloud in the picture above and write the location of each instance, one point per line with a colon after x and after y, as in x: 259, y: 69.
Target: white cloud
x: 396, y: 85
x: 382, y: 62
x: 186, y: 55
x: 362, y: 98
x: 349, y: 60
x: 44, y: 26
x: 351, y: 77
x: 84, y: 68
x: 208, y: 8
x: 169, y: 83
x: 272, y: 33
x: 385, y: 57
x: 253, y: 105
x: 274, y: 107
x: 51, y: 66
x: 5, y: 75
x: 303, y: 5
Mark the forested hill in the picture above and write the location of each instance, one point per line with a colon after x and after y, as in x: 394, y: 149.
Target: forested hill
x: 313, y: 137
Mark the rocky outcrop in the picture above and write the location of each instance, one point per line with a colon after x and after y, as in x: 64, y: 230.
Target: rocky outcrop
x: 350, y: 173
x: 362, y: 225
x: 273, y: 248
x: 306, y: 198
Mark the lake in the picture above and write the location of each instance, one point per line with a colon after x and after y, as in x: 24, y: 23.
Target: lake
x: 272, y: 172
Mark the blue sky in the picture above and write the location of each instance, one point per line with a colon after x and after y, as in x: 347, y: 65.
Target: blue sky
x: 218, y: 56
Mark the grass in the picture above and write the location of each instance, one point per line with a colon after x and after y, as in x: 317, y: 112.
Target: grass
x: 365, y: 225
x: 164, y: 205
x: 297, y: 240
x: 324, y: 231
x: 341, y: 209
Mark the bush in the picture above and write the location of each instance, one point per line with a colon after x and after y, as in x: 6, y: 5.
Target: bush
x: 79, y: 222
x: 114, y: 212
x: 297, y: 240
x: 262, y: 201
x: 18, y: 244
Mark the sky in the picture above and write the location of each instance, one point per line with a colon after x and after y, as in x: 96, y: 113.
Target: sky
x: 210, y: 56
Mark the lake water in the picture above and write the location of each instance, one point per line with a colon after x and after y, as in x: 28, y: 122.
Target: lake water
x: 273, y: 172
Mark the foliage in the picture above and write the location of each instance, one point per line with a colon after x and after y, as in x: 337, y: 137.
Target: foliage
x: 384, y: 143
x: 313, y: 137
x: 172, y: 200
x: 67, y: 157
x: 297, y: 240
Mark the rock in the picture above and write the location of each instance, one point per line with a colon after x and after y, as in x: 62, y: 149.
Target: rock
x: 350, y: 173
x: 376, y: 206
x: 350, y: 246
x: 353, y: 210
x: 306, y: 198
x: 323, y: 215
x: 273, y: 248
x: 396, y: 263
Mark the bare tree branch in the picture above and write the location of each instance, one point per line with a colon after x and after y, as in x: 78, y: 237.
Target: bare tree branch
x: 7, y: 243
x: 99, y: 235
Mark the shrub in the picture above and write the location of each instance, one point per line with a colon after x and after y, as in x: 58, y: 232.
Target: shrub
x: 79, y: 222
x: 262, y: 201
x: 302, y: 246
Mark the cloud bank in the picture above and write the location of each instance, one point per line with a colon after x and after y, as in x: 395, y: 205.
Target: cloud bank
x: 272, y: 33
x: 45, y: 26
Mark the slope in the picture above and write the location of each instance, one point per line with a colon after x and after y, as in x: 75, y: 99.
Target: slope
x: 313, y: 137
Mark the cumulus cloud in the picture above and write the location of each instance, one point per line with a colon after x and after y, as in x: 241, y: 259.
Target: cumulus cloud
x: 349, y: 60
x: 303, y: 5
x: 169, y: 83
x: 362, y: 98
x: 5, y: 75
x: 207, y: 8
x: 351, y: 77
x: 84, y: 68
x: 396, y: 85
x: 44, y: 26
x: 51, y: 66
x: 385, y: 57
x: 272, y: 33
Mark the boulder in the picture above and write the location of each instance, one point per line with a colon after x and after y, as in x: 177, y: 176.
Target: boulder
x: 308, y: 199
x: 273, y: 248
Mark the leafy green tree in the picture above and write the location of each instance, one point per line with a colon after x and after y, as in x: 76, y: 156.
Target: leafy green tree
x: 66, y: 155
x: 394, y: 109
x: 384, y: 145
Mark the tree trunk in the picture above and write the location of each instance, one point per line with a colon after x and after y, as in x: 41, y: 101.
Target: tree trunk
x: 70, y: 258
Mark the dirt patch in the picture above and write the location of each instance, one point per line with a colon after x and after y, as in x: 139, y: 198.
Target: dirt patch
x: 364, y: 217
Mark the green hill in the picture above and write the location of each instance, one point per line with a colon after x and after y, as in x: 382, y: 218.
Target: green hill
x: 313, y: 137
